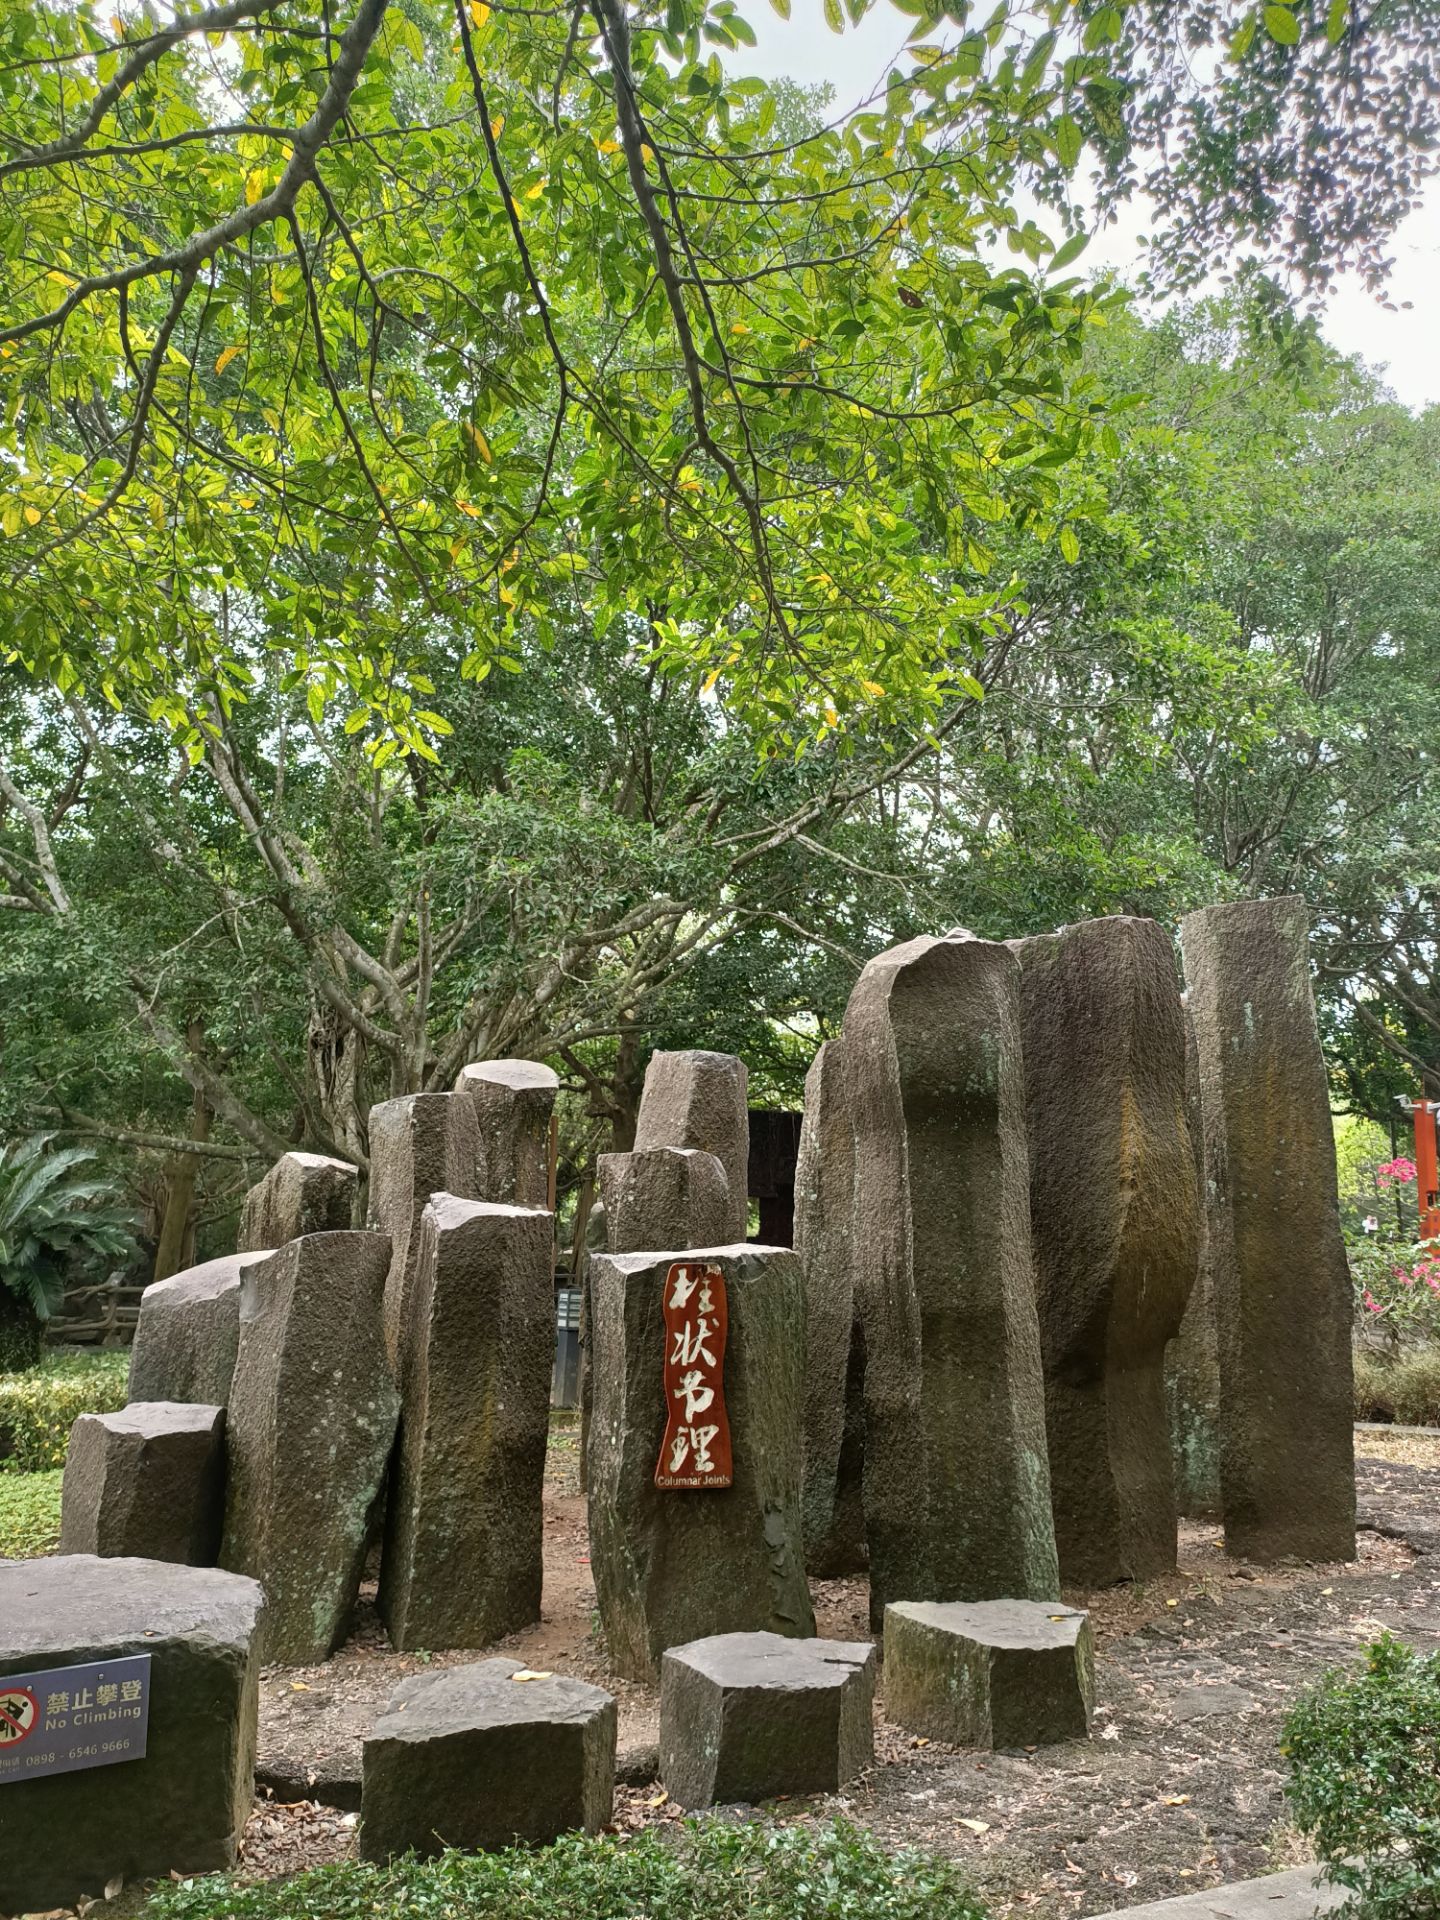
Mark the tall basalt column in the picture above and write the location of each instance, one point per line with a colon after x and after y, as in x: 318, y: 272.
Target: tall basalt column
x: 310, y: 1425
x: 698, y: 1099
x: 1114, y: 1224
x: 462, y: 1561
x: 957, y: 1484
x: 420, y: 1144
x: 1192, y: 1362
x: 824, y: 1238
x: 1274, y: 1250
x: 680, y: 1564
x: 513, y: 1101
x: 663, y: 1197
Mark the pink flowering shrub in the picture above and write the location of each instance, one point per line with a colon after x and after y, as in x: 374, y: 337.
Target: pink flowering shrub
x: 1398, y: 1172
x: 1397, y: 1288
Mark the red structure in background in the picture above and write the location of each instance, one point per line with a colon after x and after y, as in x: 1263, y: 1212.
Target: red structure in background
x: 1427, y: 1178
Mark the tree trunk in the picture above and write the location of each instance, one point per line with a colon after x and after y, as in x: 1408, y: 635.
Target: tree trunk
x: 176, y: 1247
x: 21, y: 1333
x: 336, y: 1063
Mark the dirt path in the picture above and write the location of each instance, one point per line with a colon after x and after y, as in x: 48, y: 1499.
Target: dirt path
x: 1179, y: 1788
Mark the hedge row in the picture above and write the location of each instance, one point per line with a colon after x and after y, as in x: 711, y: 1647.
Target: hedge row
x: 39, y: 1407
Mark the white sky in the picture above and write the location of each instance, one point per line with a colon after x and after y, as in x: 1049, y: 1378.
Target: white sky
x: 1404, y: 343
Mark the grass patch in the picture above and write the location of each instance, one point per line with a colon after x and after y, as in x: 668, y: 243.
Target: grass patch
x: 1405, y: 1390
x: 707, y: 1870
x: 39, y: 1407
x: 29, y: 1513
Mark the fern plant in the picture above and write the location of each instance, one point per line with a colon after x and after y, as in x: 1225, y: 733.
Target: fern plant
x: 52, y: 1214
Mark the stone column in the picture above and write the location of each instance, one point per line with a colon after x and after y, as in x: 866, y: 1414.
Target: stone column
x: 957, y: 1484
x: 1192, y: 1361
x: 663, y: 1197
x: 462, y: 1562
x: 513, y: 1102
x: 420, y: 1144
x: 1276, y: 1257
x: 679, y: 1565
x: 311, y: 1419
x: 824, y: 1238
x: 188, y: 1331
x: 698, y: 1099
x: 302, y: 1193
x: 1114, y: 1225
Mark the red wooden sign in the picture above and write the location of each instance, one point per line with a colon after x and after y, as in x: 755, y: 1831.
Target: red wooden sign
x: 696, y: 1449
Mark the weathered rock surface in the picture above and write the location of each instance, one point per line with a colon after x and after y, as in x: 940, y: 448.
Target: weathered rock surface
x: 957, y: 1483
x: 513, y: 1101
x: 679, y: 1565
x: 146, y: 1483
x: 832, y: 1498
x: 698, y: 1099
x: 183, y: 1806
x: 188, y: 1331
x: 474, y: 1757
x: 462, y: 1560
x: 311, y: 1420
x: 997, y: 1673
x: 663, y: 1197
x: 746, y: 1716
x: 1276, y: 1259
x: 302, y: 1193
x: 1192, y: 1360
x: 1114, y: 1224
x: 420, y: 1144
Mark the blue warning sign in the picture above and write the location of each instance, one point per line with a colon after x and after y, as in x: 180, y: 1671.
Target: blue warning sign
x: 60, y: 1719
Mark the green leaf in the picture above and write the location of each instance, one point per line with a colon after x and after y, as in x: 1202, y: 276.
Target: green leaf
x: 1071, y: 250
x: 1282, y: 26
x: 782, y: 7
x: 1069, y: 140
x: 1070, y: 544
x: 1336, y: 21
x: 834, y: 16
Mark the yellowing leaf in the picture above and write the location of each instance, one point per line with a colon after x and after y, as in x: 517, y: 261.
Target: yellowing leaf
x: 646, y: 153
x: 1176, y: 1800
x: 497, y: 126
x: 532, y: 1673
x: 482, y: 445
x: 226, y: 357
x: 254, y: 186
x: 534, y: 193
x: 479, y: 12
x: 710, y: 680
x: 740, y: 327
x: 60, y: 279
x: 609, y: 146
x: 976, y: 1826
x: 832, y: 719
x: 873, y: 688
x: 33, y: 516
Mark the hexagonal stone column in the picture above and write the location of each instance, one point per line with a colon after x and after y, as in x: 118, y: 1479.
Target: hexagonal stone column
x: 311, y: 1420
x: 147, y: 1482
x: 188, y: 1333
x: 663, y: 1197
x: 990, y: 1673
x: 673, y: 1565
x: 746, y: 1716
x: 513, y: 1102
x: 302, y: 1193
x: 698, y: 1099
x: 420, y: 1144
x: 1274, y: 1253
x: 481, y: 1756
x: 184, y: 1804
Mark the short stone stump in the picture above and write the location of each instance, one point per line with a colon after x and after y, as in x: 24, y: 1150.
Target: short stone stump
x: 484, y: 1755
x: 991, y: 1673
x: 183, y: 1804
x: 747, y: 1716
x: 146, y: 1483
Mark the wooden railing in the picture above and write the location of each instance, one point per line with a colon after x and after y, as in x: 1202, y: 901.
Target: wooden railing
x: 101, y: 1315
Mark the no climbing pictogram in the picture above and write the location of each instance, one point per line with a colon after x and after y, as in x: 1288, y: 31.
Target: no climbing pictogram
x: 19, y: 1716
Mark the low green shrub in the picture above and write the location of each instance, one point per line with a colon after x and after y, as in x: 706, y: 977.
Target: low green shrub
x: 29, y: 1513
x: 39, y: 1407
x: 1404, y: 1388
x: 706, y: 1870
x: 1364, y: 1783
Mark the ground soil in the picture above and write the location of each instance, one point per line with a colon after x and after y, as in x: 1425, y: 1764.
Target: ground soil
x: 1180, y: 1787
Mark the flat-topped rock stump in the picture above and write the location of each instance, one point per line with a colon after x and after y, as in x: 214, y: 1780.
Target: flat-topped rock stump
x: 746, y: 1716
x: 990, y: 1673
x: 480, y: 1757
x: 146, y: 1483
x: 311, y: 1421
x: 302, y: 1193
x: 181, y: 1807
x: 188, y: 1333
x: 421, y: 1143
x: 513, y: 1101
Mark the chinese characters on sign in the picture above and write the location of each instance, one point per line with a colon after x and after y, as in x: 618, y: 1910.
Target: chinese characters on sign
x: 64, y: 1718
x: 696, y: 1448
